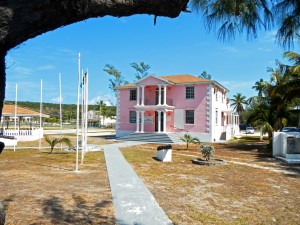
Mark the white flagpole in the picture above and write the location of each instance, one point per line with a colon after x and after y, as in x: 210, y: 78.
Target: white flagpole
x: 41, y: 109
x: 82, y: 113
x: 60, y: 112
x: 16, y: 100
x: 77, y: 118
x: 84, y: 125
x: 86, y: 109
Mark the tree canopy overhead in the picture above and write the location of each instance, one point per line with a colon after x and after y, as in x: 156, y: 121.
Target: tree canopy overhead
x: 231, y: 17
x: 21, y: 20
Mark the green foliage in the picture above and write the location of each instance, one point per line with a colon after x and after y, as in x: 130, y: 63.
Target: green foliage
x: 51, y: 109
x: 117, y: 80
x: 238, y: 101
x: 207, y: 151
x: 274, y: 110
x: 233, y: 17
x: 52, y: 143
x: 141, y: 70
x: 106, y: 111
x: 205, y: 75
x: 188, y: 139
x: 261, y: 87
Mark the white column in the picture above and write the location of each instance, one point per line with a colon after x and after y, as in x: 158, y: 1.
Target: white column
x: 142, y: 124
x: 159, y: 94
x: 165, y: 94
x: 143, y: 94
x: 159, y: 122
x: 165, y: 121
x: 138, y: 95
x: 137, y: 121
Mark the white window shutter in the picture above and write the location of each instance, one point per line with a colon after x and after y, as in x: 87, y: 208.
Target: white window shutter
x: 178, y: 118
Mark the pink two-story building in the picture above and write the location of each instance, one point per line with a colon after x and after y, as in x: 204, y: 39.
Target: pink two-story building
x: 176, y: 104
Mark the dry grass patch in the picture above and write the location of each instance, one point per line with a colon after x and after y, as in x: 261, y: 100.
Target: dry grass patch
x: 230, y: 194
x: 42, y: 188
x: 91, y: 140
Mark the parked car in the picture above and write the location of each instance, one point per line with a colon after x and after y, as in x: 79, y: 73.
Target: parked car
x: 249, y: 130
x: 290, y: 129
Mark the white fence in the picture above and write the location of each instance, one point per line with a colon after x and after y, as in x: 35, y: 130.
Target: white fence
x: 24, y: 134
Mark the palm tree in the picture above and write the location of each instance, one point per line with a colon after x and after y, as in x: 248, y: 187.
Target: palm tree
x: 52, y: 143
x: 260, y: 86
x: 273, y: 110
x: 188, y: 139
x: 238, y: 101
x: 231, y: 17
x: 290, y: 88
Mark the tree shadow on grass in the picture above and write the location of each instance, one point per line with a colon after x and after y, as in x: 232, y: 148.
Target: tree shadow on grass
x: 50, y: 166
x: 262, y: 153
x: 5, y: 202
x: 260, y: 150
x: 80, y: 213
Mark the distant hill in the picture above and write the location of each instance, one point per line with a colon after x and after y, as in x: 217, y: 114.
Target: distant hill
x: 68, y: 110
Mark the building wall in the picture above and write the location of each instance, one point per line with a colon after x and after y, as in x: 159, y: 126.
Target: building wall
x: 219, y: 107
x: 125, y: 105
x: 209, y: 105
x: 177, y: 96
x: 198, y: 104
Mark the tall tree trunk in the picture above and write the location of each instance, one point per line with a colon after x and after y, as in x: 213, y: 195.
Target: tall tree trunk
x: 2, y: 80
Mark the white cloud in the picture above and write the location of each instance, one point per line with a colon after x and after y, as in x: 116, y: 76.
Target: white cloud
x: 244, y: 87
x: 56, y: 100
x: 269, y: 37
x: 264, y: 49
x: 23, y: 70
x: 27, y: 91
x: 46, y: 67
x: 107, y: 98
x: 231, y: 49
x: 122, y: 20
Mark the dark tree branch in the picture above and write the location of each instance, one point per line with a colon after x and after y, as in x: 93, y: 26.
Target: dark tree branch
x: 21, y: 20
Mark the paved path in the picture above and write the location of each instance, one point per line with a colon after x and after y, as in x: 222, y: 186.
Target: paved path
x: 134, y: 203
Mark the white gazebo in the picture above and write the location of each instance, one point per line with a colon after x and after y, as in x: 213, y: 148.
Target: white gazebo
x: 30, y: 133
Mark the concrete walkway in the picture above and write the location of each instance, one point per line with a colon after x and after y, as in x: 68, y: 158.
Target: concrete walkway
x: 134, y: 203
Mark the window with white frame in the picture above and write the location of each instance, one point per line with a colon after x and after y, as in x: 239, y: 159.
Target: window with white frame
x: 132, y: 116
x: 132, y: 96
x: 189, y: 92
x: 216, y: 116
x: 189, y: 116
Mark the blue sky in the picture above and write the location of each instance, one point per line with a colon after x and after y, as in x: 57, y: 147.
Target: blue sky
x: 171, y: 47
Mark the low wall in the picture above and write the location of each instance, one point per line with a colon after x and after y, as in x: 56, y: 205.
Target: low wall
x: 24, y: 134
x: 9, y: 142
x: 286, y: 145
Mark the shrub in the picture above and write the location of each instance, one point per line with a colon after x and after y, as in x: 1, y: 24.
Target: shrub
x: 56, y: 141
x: 188, y: 139
x: 207, y: 151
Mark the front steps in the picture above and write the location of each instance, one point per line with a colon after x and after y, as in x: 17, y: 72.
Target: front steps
x: 162, y: 138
